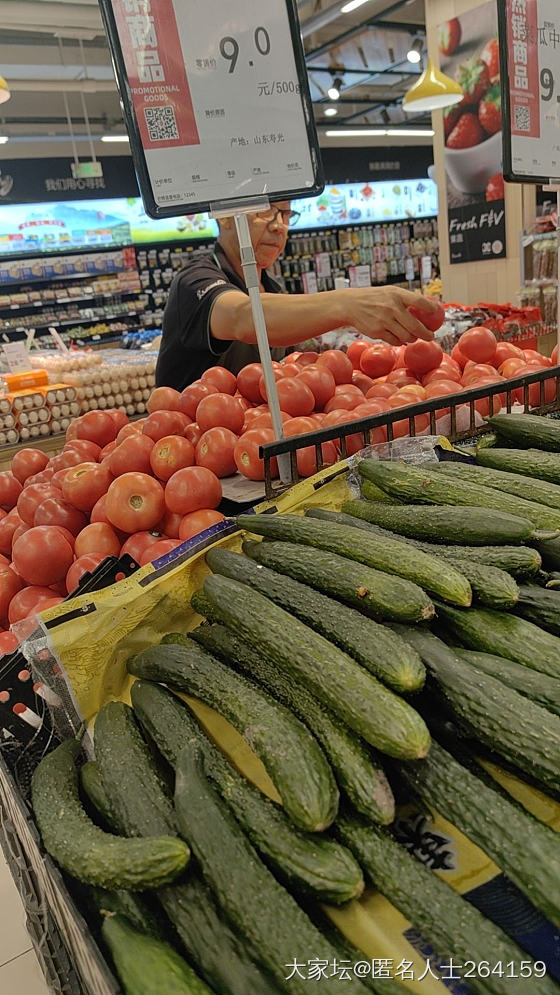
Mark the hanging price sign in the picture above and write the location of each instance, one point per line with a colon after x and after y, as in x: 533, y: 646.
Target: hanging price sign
x: 216, y: 101
x: 530, y: 49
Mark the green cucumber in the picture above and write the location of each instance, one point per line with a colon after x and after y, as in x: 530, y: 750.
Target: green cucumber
x: 275, y: 927
x: 133, y: 906
x: 356, y: 772
x: 541, y: 606
x: 388, y: 554
x: 92, y: 788
x: 129, y: 774
x: 374, y: 646
x: 525, y: 849
x: 509, y: 483
x: 313, y: 866
x: 373, y: 493
x: 424, y: 485
x: 452, y: 926
x: 531, y: 683
x: 505, y: 635
x: 528, y: 462
x: 519, y: 561
x: 146, y: 965
x: 515, y: 727
x: 291, y: 755
x: 84, y: 850
x: 370, y: 709
x: 531, y: 431
x: 549, y: 550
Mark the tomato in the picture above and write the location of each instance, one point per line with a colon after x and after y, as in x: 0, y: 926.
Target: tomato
x: 345, y: 397
x: 510, y: 367
x: 44, y: 477
x: 83, y: 485
x: 246, y: 454
x: 554, y: 356
x: 120, y: 418
x: 8, y: 643
x: 295, y: 397
x: 133, y: 428
x: 413, y: 390
x: 288, y: 370
x: 164, y: 399
x: 26, y: 462
x: 10, y: 584
x: 224, y: 380
x: 306, y: 459
x: 361, y: 381
x: 484, y: 405
x: 193, y: 488
x: 220, y: 411
x: 31, y: 497
x: 8, y: 527
x: 199, y: 521
x: 83, y: 565
x: 479, y: 344
x: 137, y: 543
x: 57, y: 511
x: 264, y: 420
x: 248, y: 382
x: 10, y: 490
x: 355, y: 351
x: 338, y: 363
x: 458, y: 356
x: 245, y: 404
x: 169, y: 454
x: 442, y: 373
x: 163, y: 423
x: 159, y: 549
x: 194, y: 394
x: 421, y: 357
x: 43, y: 555
x: 305, y: 358
x: 382, y: 390
x: 476, y: 372
x: 28, y: 600
x: 67, y: 459
x: 430, y: 319
x: 377, y: 360
x: 398, y: 352
x: 402, y: 428
x: 507, y: 350
x: 400, y: 377
x: 215, y: 451
x: 169, y: 525
x: 530, y: 356
x: 131, y: 456
x: 89, y: 451
x: 135, y: 502
x: 99, y: 537
x: 299, y: 426
x: 193, y: 433
x: 97, y: 426
x: 320, y: 381
x: 549, y: 387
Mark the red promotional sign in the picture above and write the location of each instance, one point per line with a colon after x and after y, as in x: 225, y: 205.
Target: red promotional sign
x: 523, y: 62
x: 156, y: 73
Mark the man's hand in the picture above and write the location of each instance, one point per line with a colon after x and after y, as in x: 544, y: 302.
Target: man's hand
x: 382, y: 313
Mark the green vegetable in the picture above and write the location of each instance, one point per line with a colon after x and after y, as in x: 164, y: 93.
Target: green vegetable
x: 292, y: 757
x: 390, y: 555
x: 356, y: 772
x: 146, y: 965
x: 540, y: 606
x: 549, y: 550
x: 528, y: 462
x: 312, y: 865
x: 92, y: 788
x: 530, y: 431
x: 275, y: 926
x: 509, y: 483
x: 370, y: 709
x: 531, y: 683
x: 133, y: 906
x: 84, y: 850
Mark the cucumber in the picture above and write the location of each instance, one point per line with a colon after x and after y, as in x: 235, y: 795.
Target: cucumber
x: 530, y: 431
x: 146, y: 965
x: 292, y: 757
x: 531, y: 683
x: 509, y: 483
x: 525, y: 849
x: 528, y: 462
x: 129, y: 774
x: 388, y: 554
x: 374, y: 646
x: 515, y: 727
x: 423, y: 485
x: 92, y: 789
x: 275, y: 927
x: 541, y: 606
x: 519, y: 561
x: 84, y: 850
x: 505, y: 635
x: 370, y: 709
x: 452, y: 926
x: 311, y: 865
x: 133, y: 906
x: 373, y: 493
x: 549, y: 550
x: 356, y: 772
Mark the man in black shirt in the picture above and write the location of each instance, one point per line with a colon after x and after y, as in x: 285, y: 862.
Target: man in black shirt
x: 208, y: 319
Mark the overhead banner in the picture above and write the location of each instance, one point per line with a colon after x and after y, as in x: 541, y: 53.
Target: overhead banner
x: 469, y: 52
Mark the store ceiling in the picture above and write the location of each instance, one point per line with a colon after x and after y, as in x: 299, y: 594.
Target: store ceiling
x: 54, y: 55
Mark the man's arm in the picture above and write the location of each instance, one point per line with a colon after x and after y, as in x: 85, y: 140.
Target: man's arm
x: 379, y: 312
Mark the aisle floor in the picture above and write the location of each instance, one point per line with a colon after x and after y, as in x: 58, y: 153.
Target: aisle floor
x: 20, y: 973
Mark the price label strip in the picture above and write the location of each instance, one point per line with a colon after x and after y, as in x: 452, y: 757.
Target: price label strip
x: 216, y: 101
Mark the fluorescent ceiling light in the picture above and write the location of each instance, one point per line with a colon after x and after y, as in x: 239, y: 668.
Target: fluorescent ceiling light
x: 330, y: 111
x: 3, y: 139
x: 368, y: 132
x: 114, y: 138
x: 411, y: 132
x: 414, y: 54
x: 333, y: 91
x: 351, y: 5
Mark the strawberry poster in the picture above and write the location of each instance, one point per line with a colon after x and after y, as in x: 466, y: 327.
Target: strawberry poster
x: 469, y: 53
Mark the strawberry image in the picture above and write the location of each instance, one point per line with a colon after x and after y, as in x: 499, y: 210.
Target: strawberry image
x: 474, y: 79
x: 495, y: 187
x: 490, y: 110
x: 449, y: 36
x: 450, y: 118
x: 466, y: 133
x: 491, y: 56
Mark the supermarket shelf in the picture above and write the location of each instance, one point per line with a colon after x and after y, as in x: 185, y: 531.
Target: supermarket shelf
x: 49, y: 444
x: 63, y: 277
x: 71, y: 322
x: 34, y: 305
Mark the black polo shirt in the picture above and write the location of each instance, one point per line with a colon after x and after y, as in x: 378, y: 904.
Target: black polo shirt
x: 187, y: 347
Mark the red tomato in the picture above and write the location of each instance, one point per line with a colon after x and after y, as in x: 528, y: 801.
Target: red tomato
x: 307, y: 458
x: 198, y: 521
x: 355, y: 351
x: 264, y: 420
x: 193, y: 433
x: 245, y: 404
x: 295, y: 397
x: 98, y: 537
x: 430, y: 319
x: 133, y: 428
x: 484, y: 405
x: 135, y: 502
x: 137, y: 543
x: 321, y: 383
x: 10, y: 490
x: 164, y: 399
x: 507, y: 350
x: 421, y: 357
x: 530, y: 356
x: 345, y: 397
x: 169, y: 454
x: 400, y: 378
x: 98, y: 511
x: 398, y: 352
x: 10, y: 584
x: 458, y: 356
x: 305, y: 358
x: 510, y: 367
x: 535, y: 389
x: 248, y: 380
x: 193, y: 488
x: 246, y: 454
x: 413, y: 390
x: 8, y: 527
x: 163, y: 423
x: 215, y: 451
x: 299, y: 426
x: 402, y: 428
x: 83, y: 485
x: 83, y: 565
x: 339, y: 365
x: 21, y: 530
x: 97, y: 426
x: 554, y: 356
x: 72, y: 430
x: 107, y: 450
x: 194, y: 394
x: 442, y: 373
x: 479, y: 344
x: 26, y: 462
x: 132, y: 455
x: 377, y: 360
x: 42, y: 556
x: 44, y: 477
x: 160, y: 548
x: 223, y: 380
x: 476, y: 372
x: 8, y: 643
x: 57, y: 511
x: 30, y: 600
x: 361, y: 381
x: 169, y: 525
x: 440, y: 388
x: 120, y: 418
x: 382, y: 390
x: 67, y: 459
x: 89, y: 451
x: 220, y: 411
x: 31, y: 497
x: 288, y: 370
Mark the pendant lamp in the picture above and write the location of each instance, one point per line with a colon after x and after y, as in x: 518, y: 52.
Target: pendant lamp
x: 432, y: 91
x: 4, y: 91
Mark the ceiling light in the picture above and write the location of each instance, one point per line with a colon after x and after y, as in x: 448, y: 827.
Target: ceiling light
x: 333, y: 91
x: 4, y: 91
x: 3, y: 139
x: 387, y: 132
x: 432, y: 91
x: 414, y: 54
x: 330, y: 111
x: 351, y: 5
x: 114, y: 138
x: 411, y: 132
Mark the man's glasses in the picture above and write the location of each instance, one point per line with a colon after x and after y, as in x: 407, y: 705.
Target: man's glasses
x: 288, y: 217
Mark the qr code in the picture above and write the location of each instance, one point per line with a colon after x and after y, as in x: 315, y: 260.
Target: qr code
x: 522, y: 118
x: 161, y: 123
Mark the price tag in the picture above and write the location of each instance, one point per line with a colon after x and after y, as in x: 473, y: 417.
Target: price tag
x: 309, y: 281
x: 409, y: 268
x: 323, y: 264
x: 360, y: 276
x: 216, y: 101
x: 15, y: 356
x: 426, y: 268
